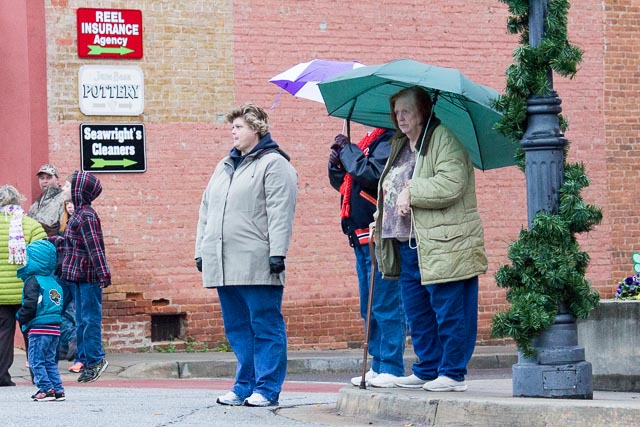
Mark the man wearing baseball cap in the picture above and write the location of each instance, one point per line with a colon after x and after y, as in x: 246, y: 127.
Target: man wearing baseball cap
x: 48, y: 207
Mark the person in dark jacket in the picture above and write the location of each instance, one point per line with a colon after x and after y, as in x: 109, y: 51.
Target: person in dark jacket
x: 84, y: 264
x: 40, y: 316
x: 354, y: 170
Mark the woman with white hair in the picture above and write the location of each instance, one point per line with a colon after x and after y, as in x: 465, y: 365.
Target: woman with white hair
x: 244, y: 231
x: 16, y: 232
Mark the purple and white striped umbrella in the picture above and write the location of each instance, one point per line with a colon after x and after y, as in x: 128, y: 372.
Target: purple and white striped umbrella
x: 302, y: 80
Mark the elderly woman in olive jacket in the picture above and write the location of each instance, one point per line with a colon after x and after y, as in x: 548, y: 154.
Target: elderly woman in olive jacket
x: 16, y: 231
x: 441, y: 252
x: 244, y: 231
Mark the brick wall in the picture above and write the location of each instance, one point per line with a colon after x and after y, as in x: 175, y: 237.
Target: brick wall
x: 622, y: 118
x: 202, y: 58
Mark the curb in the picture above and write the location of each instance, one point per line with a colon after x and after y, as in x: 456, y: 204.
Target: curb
x: 482, y: 409
x: 333, y: 362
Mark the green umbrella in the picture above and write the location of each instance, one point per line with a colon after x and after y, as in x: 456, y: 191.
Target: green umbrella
x: 362, y: 95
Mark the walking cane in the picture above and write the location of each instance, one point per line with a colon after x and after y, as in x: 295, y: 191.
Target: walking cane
x: 367, y: 332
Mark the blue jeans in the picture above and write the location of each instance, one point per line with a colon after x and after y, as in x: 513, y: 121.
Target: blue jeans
x: 43, y: 363
x: 67, y: 346
x: 88, y: 297
x: 67, y: 292
x: 388, y: 329
x: 255, y: 327
x: 442, y: 320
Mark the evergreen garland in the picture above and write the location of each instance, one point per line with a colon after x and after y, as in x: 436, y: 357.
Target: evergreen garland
x: 548, y: 269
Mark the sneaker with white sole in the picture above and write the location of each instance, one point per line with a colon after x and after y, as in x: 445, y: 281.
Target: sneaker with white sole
x: 91, y: 374
x: 443, y: 383
x: 410, y: 381
x: 256, y: 399
x: 44, y: 396
x: 384, y: 381
x: 230, y: 399
x: 371, y: 374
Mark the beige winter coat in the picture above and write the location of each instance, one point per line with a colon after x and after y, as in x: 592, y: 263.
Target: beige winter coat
x: 246, y: 216
x: 444, y: 208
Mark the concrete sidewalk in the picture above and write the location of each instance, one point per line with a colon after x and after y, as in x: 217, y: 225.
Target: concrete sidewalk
x: 223, y: 365
x: 487, y: 402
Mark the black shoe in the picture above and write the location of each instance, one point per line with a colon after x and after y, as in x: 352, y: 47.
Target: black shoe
x: 9, y: 384
x: 60, y: 396
x: 94, y: 372
x: 44, y: 396
x: 84, y: 375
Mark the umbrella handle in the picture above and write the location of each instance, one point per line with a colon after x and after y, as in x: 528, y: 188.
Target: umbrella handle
x: 275, y: 102
x: 346, y: 124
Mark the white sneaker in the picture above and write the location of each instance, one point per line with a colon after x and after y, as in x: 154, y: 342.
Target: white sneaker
x: 371, y: 374
x: 384, y: 381
x: 410, y: 381
x: 445, y: 384
x: 256, y: 399
x: 230, y: 399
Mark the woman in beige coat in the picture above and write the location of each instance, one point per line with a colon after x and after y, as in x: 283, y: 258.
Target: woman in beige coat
x: 429, y: 236
x: 244, y: 230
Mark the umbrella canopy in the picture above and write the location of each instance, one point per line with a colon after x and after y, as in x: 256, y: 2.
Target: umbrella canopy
x: 302, y: 80
x: 362, y: 95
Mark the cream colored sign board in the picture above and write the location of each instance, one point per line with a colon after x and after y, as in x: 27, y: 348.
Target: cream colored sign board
x: 109, y: 90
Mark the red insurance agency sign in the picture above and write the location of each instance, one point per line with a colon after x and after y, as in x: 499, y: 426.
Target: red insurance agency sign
x: 109, y: 33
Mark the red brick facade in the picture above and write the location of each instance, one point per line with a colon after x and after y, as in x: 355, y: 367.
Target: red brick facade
x: 201, y: 58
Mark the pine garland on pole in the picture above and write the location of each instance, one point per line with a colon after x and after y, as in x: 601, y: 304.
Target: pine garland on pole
x: 548, y: 269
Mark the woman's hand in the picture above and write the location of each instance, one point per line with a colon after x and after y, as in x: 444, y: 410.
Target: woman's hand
x: 403, y: 204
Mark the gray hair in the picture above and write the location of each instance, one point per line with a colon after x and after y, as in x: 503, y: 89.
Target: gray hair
x: 9, y: 195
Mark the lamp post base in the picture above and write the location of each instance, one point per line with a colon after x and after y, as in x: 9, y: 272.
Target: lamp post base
x: 567, y: 381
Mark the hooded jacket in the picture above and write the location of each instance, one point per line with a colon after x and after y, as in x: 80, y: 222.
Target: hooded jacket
x: 10, y: 284
x: 48, y: 209
x: 82, y: 245
x: 246, y: 216
x: 42, y: 295
x: 445, y: 212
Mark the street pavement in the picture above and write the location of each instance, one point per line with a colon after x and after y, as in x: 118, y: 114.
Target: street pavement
x: 179, y: 389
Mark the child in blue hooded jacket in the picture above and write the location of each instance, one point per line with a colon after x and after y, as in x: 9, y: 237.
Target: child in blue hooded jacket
x: 40, y: 315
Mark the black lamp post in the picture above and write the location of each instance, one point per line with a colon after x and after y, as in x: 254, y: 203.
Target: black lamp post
x: 559, y: 369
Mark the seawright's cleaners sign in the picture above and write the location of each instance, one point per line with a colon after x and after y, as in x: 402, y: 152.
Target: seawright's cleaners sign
x: 118, y: 147
x: 109, y: 33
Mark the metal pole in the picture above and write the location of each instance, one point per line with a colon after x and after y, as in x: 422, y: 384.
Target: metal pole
x: 559, y: 369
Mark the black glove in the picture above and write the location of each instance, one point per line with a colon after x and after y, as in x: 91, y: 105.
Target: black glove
x: 199, y: 264
x: 276, y: 264
x: 334, y: 159
x: 339, y: 142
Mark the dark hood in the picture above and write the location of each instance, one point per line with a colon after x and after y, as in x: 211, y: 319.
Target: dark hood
x: 85, y: 188
x: 265, y: 143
